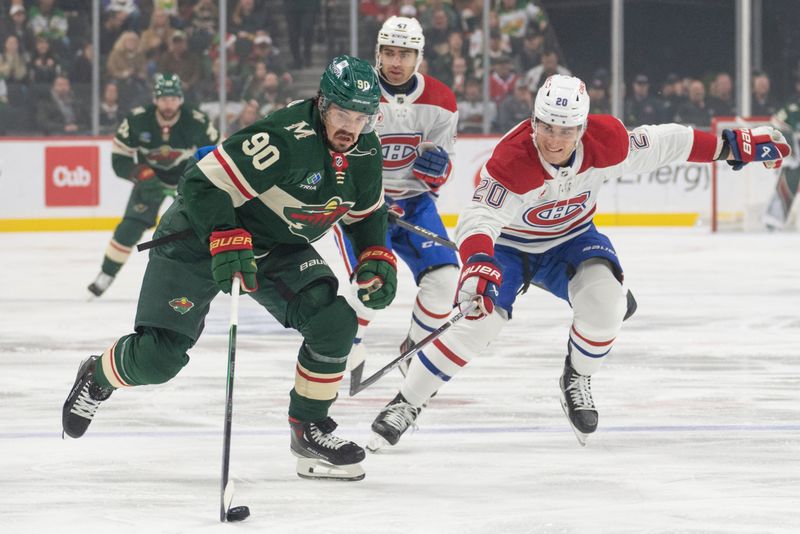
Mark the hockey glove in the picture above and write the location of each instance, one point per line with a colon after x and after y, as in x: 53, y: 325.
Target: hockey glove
x: 746, y: 145
x: 231, y: 255
x: 376, y: 276
x: 432, y: 165
x: 480, y: 280
x: 142, y: 173
x: 201, y: 152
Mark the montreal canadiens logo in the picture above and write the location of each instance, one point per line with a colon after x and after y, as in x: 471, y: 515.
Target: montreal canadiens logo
x: 399, y: 150
x: 556, y: 212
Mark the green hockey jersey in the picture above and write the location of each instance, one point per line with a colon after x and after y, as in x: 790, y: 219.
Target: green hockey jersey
x: 278, y: 180
x: 787, y: 119
x: 167, y: 148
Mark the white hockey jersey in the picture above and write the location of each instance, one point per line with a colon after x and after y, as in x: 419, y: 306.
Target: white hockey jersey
x: 528, y: 204
x: 427, y: 113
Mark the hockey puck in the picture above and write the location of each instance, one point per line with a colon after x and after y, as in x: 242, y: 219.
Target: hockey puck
x: 238, y: 513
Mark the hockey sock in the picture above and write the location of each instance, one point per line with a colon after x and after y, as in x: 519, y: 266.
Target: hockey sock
x: 434, y: 301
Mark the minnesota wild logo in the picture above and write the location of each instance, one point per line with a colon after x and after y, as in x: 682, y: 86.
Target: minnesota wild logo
x: 181, y: 305
x: 312, y: 221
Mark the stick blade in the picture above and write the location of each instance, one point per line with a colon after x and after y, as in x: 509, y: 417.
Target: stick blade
x: 355, y: 378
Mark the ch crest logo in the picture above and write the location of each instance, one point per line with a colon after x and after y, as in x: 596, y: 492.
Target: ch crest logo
x: 557, y: 212
x: 399, y: 150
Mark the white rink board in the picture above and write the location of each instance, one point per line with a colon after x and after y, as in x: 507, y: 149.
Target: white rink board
x: 681, y: 188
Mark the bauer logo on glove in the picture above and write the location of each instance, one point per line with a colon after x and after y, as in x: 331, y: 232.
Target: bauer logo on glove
x: 765, y: 144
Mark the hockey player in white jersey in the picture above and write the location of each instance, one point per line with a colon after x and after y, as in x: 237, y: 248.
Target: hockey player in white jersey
x: 531, y: 221
x: 417, y: 126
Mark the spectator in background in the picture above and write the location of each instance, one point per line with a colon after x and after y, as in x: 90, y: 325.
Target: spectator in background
x: 694, y: 111
x: 264, y: 52
x: 530, y: 55
x: 127, y: 67
x: 178, y: 59
x: 247, y: 116
x: 127, y: 11
x: 515, y: 17
x: 155, y: 39
x: 44, y: 67
x: 13, y: 67
x: 549, y: 66
x: 763, y: 104
x: 271, y: 97
x: 672, y: 96
x: 45, y: 20
x: 114, y: 23
x: 300, y: 17
x: 245, y: 22
x: 252, y: 84
x: 437, y: 32
x: 110, y: 112
x: 640, y: 107
x: 516, y: 108
x: 80, y: 73
x: 61, y: 114
x: 203, y: 25
x: 502, y: 80
x: 598, y: 98
x: 459, y: 77
x: 427, y: 13
x: 471, y: 110
x: 16, y: 25
x: 720, y: 101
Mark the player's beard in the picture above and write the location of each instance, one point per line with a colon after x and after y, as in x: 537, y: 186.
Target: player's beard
x: 341, y: 140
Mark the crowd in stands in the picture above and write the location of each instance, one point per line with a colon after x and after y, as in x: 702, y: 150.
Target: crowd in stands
x: 46, y: 57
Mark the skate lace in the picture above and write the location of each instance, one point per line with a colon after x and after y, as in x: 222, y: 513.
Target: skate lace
x: 580, y: 391
x: 400, y: 415
x: 329, y: 441
x: 85, y: 406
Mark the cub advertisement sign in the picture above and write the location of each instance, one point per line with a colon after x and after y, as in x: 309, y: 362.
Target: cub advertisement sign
x: 72, y: 176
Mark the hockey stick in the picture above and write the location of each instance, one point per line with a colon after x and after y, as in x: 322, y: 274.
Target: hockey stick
x: 226, y: 513
x: 356, y: 384
x: 394, y: 218
x: 163, y: 240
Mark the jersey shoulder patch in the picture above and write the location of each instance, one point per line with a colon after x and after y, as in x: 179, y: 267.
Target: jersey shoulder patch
x: 515, y: 163
x: 199, y: 116
x: 138, y: 110
x: 605, y: 142
x: 435, y: 93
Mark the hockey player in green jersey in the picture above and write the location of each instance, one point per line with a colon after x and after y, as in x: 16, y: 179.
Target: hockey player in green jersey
x: 779, y: 208
x: 152, y: 148
x: 253, y: 206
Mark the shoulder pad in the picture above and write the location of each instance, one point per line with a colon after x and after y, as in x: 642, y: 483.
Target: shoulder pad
x: 605, y: 143
x: 515, y: 163
x: 437, y: 94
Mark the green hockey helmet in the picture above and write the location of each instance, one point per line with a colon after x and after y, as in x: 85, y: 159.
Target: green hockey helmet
x: 167, y: 84
x: 350, y: 83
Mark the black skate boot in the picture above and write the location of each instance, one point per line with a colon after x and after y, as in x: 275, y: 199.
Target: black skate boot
x: 392, y: 422
x: 83, y: 400
x: 577, y: 402
x: 321, y: 455
x: 100, y: 284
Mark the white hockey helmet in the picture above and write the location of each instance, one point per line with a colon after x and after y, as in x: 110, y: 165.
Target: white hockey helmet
x: 405, y: 32
x: 562, y: 101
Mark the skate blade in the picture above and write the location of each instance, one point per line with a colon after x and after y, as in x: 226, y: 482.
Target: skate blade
x: 578, y: 434
x: 315, y: 469
x: 377, y: 443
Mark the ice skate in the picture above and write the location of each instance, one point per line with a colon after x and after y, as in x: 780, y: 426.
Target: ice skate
x: 321, y: 455
x: 392, y: 422
x: 577, y: 402
x: 100, y: 284
x: 83, y: 400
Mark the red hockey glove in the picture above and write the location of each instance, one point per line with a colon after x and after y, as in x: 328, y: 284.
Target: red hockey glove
x: 746, y: 145
x: 480, y: 280
x: 232, y: 255
x: 432, y: 165
x: 142, y: 173
x: 376, y: 276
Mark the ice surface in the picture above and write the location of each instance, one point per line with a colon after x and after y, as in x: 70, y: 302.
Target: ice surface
x: 699, y: 419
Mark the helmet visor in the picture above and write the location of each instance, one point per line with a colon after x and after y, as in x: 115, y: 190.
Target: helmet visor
x: 338, y: 118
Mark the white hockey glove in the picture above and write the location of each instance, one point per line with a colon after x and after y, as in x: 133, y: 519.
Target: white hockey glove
x: 745, y: 145
x: 480, y: 280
